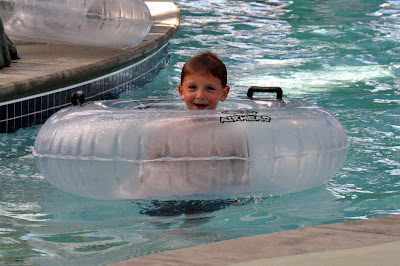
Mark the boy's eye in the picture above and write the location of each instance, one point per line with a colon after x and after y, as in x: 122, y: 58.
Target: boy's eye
x: 192, y: 87
x: 210, y: 88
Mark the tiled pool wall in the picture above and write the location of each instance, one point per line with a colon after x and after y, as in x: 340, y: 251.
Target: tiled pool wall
x: 36, y: 109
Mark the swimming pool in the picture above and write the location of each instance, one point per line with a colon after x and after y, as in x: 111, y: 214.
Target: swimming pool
x: 341, y: 55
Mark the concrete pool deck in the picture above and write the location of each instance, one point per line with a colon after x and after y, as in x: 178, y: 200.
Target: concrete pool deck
x: 374, y: 241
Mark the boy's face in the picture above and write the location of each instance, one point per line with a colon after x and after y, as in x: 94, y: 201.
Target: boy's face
x: 202, y: 91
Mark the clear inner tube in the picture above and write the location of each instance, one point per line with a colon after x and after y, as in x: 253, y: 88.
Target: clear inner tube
x: 152, y: 149
x: 117, y: 23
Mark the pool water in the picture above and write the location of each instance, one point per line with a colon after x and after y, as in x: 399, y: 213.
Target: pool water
x: 341, y: 55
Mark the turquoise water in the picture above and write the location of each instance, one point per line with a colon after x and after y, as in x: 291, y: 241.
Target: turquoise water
x: 341, y: 55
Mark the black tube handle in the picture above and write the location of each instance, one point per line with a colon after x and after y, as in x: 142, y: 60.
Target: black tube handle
x: 77, y: 98
x: 254, y: 89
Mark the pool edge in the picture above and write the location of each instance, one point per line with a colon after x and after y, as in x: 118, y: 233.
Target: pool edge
x: 334, y: 244
x: 57, y: 70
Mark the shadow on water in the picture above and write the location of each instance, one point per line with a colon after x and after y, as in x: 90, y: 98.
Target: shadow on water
x: 184, y: 207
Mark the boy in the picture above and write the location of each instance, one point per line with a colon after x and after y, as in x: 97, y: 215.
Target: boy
x: 203, y: 82
x: 181, y: 152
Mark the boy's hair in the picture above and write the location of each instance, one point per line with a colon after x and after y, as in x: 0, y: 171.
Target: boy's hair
x: 206, y: 63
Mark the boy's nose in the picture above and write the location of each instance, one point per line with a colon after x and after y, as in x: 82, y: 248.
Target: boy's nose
x: 200, y: 93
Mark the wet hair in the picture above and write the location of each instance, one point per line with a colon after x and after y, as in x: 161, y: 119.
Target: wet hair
x: 205, y: 63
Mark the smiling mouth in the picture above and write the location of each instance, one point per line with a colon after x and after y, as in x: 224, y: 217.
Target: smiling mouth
x: 200, y: 105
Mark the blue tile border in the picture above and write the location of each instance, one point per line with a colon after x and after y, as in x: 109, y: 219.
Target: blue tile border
x: 35, y: 109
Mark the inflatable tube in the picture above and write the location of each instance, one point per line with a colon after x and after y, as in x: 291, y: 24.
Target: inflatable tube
x: 156, y: 149
x: 116, y: 23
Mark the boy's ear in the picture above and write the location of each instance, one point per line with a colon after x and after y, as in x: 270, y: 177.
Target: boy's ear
x: 225, y: 92
x: 181, y: 91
